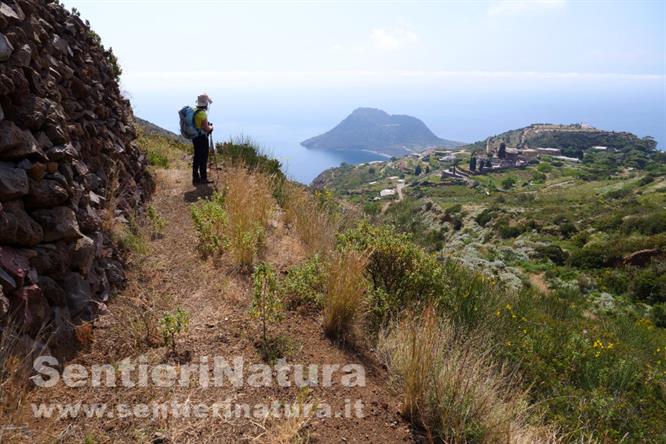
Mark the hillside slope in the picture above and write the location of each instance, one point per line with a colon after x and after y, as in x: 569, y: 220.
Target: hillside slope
x: 586, y: 238
x: 573, y: 140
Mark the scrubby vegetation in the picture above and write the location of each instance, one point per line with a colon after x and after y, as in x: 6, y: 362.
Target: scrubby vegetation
x: 160, y: 149
x: 236, y: 218
x: 584, y: 347
x: 478, y: 352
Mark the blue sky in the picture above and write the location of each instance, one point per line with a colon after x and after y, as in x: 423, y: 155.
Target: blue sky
x: 555, y: 36
x: 358, y: 53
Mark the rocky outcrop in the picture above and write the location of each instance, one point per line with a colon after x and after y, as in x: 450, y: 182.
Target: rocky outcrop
x: 66, y: 140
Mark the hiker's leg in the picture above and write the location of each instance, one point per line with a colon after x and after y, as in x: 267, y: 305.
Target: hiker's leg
x: 204, y: 163
x: 198, y: 165
x: 195, y: 161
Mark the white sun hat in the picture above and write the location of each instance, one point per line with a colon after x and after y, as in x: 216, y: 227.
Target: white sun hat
x: 204, y: 100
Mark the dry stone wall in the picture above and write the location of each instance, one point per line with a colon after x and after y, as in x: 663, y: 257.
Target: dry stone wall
x: 69, y: 167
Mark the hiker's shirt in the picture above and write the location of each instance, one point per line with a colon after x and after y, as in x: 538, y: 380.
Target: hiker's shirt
x: 199, y: 116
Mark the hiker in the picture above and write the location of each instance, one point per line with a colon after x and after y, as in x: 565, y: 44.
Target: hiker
x: 204, y: 127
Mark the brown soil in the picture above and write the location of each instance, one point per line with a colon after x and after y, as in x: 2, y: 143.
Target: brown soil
x: 539, y: 282
x: 174, y: 275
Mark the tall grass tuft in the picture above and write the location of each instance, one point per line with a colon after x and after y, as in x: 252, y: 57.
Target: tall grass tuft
x: 313, y: 217
x: 451, y: 386
x: 249, y: 204
x: 235, y: 220
x: 344, y: 299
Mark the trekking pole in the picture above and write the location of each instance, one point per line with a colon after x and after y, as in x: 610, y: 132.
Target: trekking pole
x: 211, y: 146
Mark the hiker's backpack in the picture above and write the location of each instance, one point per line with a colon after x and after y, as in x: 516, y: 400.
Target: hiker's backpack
x: 187, y: 128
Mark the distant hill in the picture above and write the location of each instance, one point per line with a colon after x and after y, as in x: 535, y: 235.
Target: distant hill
x: 573, y: 140
x: 152, y: 129
x: 375, y: 130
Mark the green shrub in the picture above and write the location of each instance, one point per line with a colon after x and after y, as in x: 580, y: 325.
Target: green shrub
x: 596, y: 377
x: 304, y: 284
x: 649, y: 285
x: 554, y: 253
x: 404, y: 276
x: 245, y: 153
x: 567, y: 229
x: 653, y: 223
x: 455, y: 209
x: 619, y: 193
x: 545, y: 167
x: 209, y: 221
x: 402, y: 273
x: 507, y: 231
x: 593, y: 256
x: 172, y: 325
x: 371, y: 208
x: 659, y: 314
x: 613, y: 280
x: 538, y: 177
x: 266, y: 305
x: 485, y: 216
x: 158, y: 158
x: 508, y: 183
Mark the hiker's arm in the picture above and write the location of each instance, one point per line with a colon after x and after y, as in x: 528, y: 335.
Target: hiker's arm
x: 207, y: 127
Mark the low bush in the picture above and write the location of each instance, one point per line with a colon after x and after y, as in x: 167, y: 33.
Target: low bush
x: 507, y: 231
x: 649, y: 285
x: 485, y: 216
x: 267, y: 306
x: 593, y: 256
x: 244, y: 152
x: 210, y: 221
x: 659, y: 314
x: 304, y: 284
x: 401, y: 273
x: 172, y: 325
x: 653, y: 223
x: 554, y: 253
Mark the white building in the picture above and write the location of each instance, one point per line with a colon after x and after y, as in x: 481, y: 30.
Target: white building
x: 387, y: 192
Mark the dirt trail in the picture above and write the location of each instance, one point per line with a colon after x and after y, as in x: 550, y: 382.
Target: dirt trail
x: 398, y: 190
x: 174, y: 275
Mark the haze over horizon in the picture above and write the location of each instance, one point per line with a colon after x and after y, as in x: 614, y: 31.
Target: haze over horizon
x: 284, y: 70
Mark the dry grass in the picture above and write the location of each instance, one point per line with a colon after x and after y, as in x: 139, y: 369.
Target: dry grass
x: 314, y: 224
x: 453, y: 389
x: 17, y: 352
x: 344, y: 300
x: 290, y: 429
x: 249, y: 205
